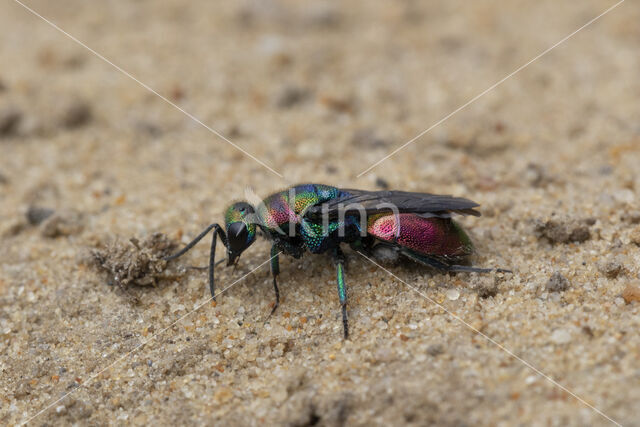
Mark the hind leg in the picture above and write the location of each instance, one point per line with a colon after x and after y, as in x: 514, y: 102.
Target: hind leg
x: 275, y: 270
x: 338, y: 257
x: 439, y: 265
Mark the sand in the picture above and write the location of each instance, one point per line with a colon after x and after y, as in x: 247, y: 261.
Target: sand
x: 90, y: 159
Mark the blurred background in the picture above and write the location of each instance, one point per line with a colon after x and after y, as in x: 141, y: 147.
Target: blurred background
x: 319, y: 92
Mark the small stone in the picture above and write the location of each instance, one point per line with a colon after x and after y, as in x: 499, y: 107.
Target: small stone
x: 557, y: 283
x: 76, y: 114
x: 385, y: 254
x: 435, y: 349
x: 453, y: 294
x: 631, y: 293
x: 22, y: 390
x: 611, y: 268
x: 382, y: 324
x: 291, y: 96
x: 536, y: 175
x: 37, y: 214
x: 487, y: 291
x: 485, y: 286
x: 561, y: 336
x: 382, y: 183
x: 10, y: 118
x: 632, y: 217
x: 619, y: 301
x: 635, y: 236
x: 339, y: 104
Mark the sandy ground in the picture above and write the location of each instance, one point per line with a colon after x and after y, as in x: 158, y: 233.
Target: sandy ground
x: 90, y: 159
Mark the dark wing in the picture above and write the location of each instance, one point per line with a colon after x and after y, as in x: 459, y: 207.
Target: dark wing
x: 371, y: 202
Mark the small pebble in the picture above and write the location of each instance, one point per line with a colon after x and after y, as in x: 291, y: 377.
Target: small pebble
x: 561, y: 336
x: 453, y: 294
x: 291, y: 96
x: 632, y: 217
x: 611, y: 268
x: 382, y: 183
x: 37, y: 214
x: 631, y: 293
x: 435, y: 349
x: 385, y: 254
x: 557, y: 283
x: 536, y: 175
x: 635, y: 236
x: 76, y: 114
x: 10, y: 118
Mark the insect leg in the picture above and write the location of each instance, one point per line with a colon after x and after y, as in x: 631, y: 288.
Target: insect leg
x: 342, y: 288
x: 275, y: 270
x: 468, y: 269
x: 212, y: 255
x: 191, y: 244
x: 432, y: 262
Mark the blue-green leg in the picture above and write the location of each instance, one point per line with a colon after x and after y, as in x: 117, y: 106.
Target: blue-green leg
x: 275, y: 270
x: 342, y: 289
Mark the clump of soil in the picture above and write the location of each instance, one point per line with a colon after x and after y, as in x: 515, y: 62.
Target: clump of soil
x: 563, y: 230
x: 135, y: 262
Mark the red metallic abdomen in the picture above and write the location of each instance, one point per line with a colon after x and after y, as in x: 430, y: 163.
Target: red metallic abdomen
x: 428, y: 236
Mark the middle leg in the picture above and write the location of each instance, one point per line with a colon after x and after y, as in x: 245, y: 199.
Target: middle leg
x: 342, y: 288
x: 275, y: 270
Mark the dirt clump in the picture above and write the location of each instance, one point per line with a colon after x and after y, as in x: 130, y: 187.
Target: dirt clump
x: 563, y: 230
x: 135, y: 262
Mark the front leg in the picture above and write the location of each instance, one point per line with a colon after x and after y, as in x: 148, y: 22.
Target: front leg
x: 218, y: 232
x: 275, y: 270
x: 338, y: 257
